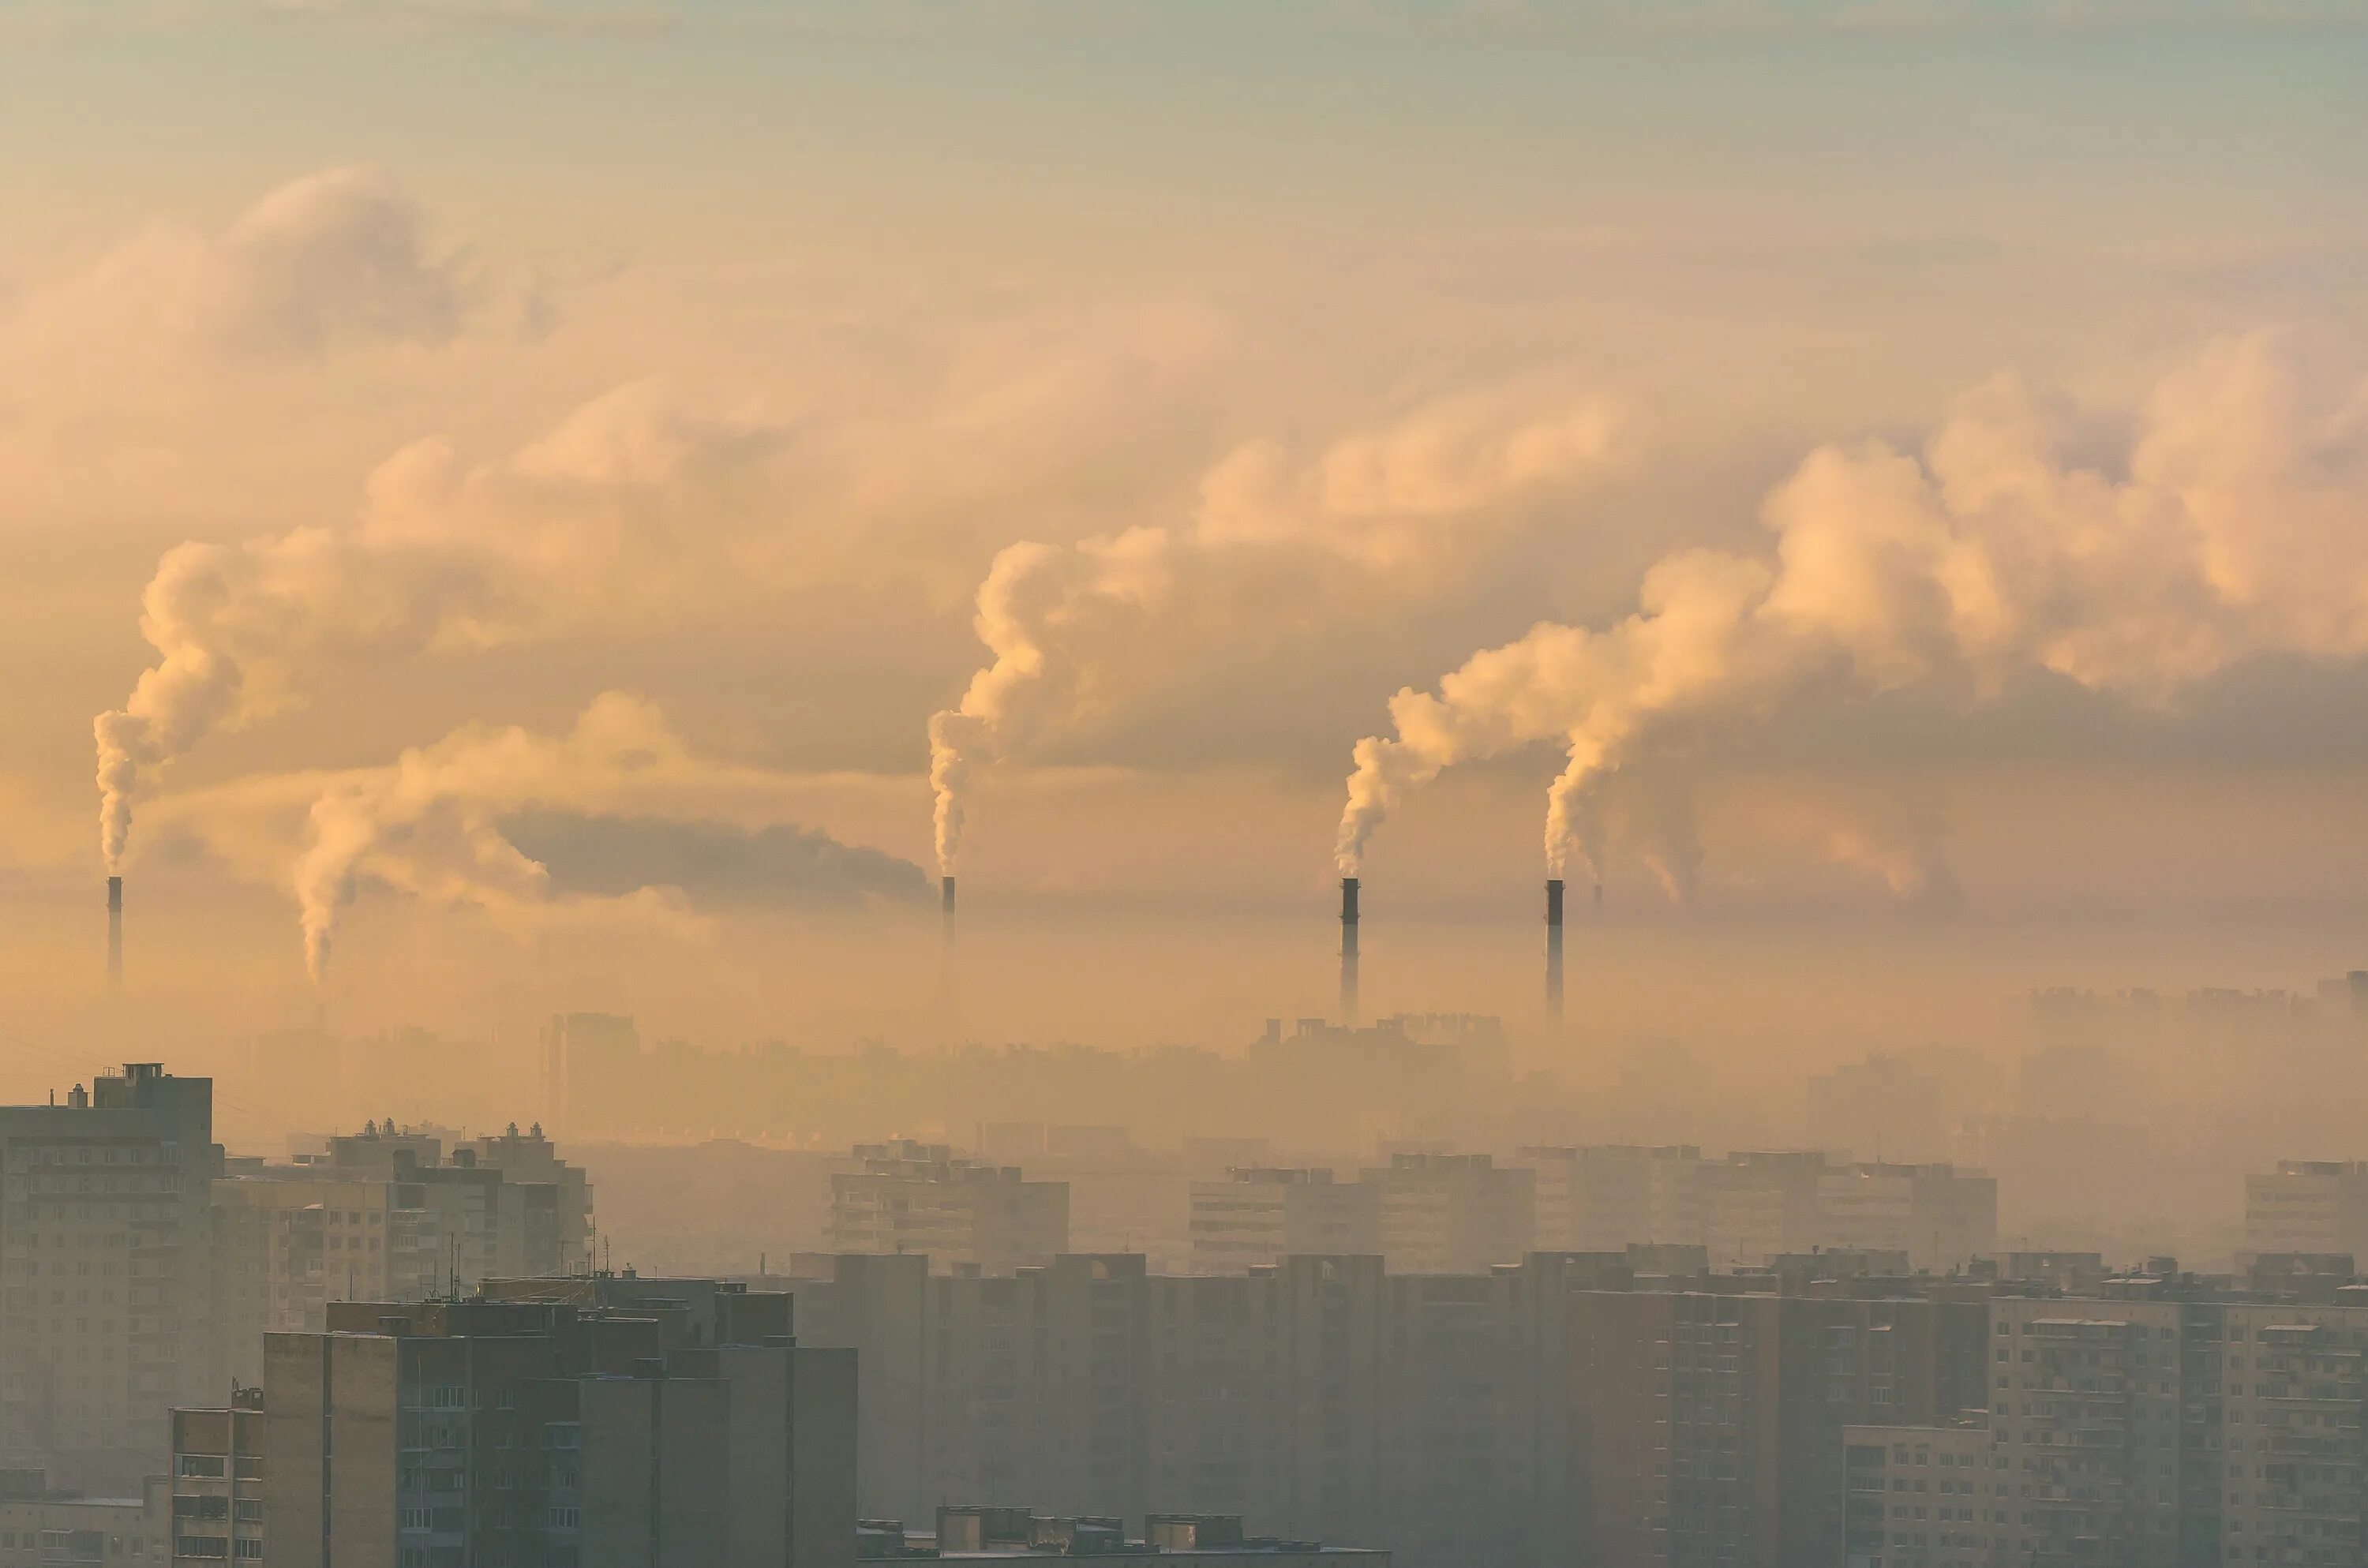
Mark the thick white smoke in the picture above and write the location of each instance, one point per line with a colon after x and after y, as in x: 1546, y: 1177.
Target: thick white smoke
x: 2234, y: 533
x: 430, y: 824
x: 1072, y: 630
x: 590, y: 519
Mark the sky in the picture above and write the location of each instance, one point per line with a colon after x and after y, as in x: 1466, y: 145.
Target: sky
x: 576, y: 503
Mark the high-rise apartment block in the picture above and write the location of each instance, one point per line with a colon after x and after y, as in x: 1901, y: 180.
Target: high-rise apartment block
x: 2309, y: 1205
x: 1602, y: 1200
x: 104, y: 1274
x: 1263, y: 1214
x: 1711, y: 1420
x: 1452, y: 1213
x: 923, y: 1199
x: 217, y: 1482
x: 648, y: 1425
x: 2166, y: 1423
x: 1754, y: 1207
x: 1319, y: 1398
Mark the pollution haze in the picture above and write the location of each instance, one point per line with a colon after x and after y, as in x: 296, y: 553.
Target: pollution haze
x: 931, y: 526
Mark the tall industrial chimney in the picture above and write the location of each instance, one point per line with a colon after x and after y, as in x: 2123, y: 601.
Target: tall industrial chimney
x: 1349, y: 951
x: 946, y: 891
x: 114, y: 934
x: 1553, y: 951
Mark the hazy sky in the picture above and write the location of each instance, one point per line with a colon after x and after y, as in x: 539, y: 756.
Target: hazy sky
x: 594, y: 424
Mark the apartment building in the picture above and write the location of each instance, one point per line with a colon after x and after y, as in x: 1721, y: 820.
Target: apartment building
x: 2168, y: 1422
x: 218, y: 1483
x: 923, y: 1199
x: 44, y: 1526
x: 1709, y: 1424
x: 1262, y: 1214
x: 654, y: 1426
x: 2309, y: 1205
x: 1941, y: 1217
x: 1923, y: 1496
x: 1017, y: 1536
x: 1318, y: 1398
x: 1606, y: 1199
x: 1759, y: 1205
x: 382, y: 1215
x: 104, y: 1274
x: 1452, y: 1213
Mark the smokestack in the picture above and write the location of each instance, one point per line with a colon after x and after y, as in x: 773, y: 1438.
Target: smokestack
x: 1349, y: 951
x: 1553, y: 951
x: 114, y: 934
x: 946, y: 891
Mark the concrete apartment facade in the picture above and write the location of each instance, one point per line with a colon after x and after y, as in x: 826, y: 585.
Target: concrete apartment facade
x: 650, y: 1425
x: 923, y: 1199
x: 105, y: 1277
x: 1262, y: 1214
x: 43, y: 1526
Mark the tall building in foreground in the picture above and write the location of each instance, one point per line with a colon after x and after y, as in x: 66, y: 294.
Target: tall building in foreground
x: 1710, y: 1424
x: 647, y: 1424
x: 104, y: 1273
x: 217, y: 1482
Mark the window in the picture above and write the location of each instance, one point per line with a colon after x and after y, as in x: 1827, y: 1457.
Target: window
x: 201, y: 1464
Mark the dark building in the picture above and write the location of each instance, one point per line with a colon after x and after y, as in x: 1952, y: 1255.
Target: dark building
x: 560, y: 1423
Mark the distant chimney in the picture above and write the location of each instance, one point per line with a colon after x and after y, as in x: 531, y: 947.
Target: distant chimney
x: 1553, y: 951
x: 1349, y: 951
x: 114, y: 934
x: 946, y: 893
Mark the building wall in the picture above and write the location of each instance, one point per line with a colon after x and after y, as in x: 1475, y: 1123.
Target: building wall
x: 105, y: 1275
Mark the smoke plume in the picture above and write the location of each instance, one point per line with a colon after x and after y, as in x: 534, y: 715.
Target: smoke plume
x: 619, y: 800
x: 2233, y: 534
x: 591, y: 518
x: 1076, y: 629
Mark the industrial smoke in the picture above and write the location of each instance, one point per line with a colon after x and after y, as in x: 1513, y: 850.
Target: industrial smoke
x: 2234, y: 534
x: 588, y: 520
x: 1376, y: 520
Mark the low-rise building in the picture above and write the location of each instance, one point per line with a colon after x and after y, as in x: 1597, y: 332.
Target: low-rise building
x: 47, y: 1526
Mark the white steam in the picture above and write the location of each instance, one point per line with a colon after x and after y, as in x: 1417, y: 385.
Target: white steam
x: 1072, y: 630
x: 588, y: 520
x: 431, y: 825
x: 2235, y: 533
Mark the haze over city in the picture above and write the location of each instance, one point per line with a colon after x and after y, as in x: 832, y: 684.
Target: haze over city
x: 796, y: 596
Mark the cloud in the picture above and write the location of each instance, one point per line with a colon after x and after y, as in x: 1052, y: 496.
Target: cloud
x: 1276, y: 547
x: 712, y: 863
x: 333, y: 260
x: 595, y: 518
x: 2233, y: 536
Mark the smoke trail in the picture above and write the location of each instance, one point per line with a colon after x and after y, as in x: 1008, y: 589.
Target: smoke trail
x: 2234, y: 535
x: 588, y: 519
x: 1380, y: 515
x: 430, y: 824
